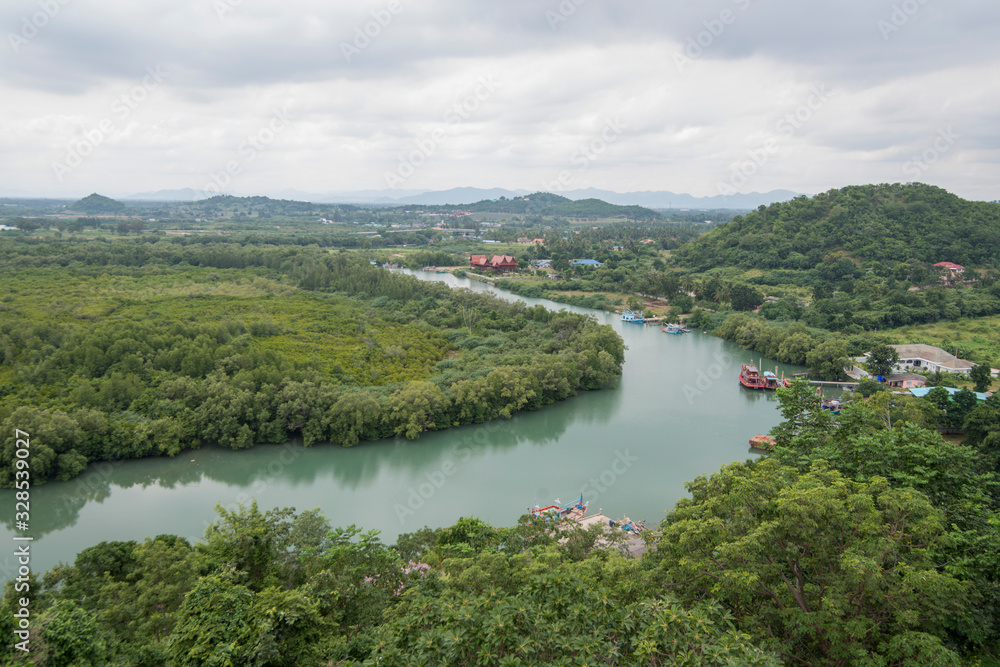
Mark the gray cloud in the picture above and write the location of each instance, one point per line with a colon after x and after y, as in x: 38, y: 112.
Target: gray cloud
x: 698, y: 86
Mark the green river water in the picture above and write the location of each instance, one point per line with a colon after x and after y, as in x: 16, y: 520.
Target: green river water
x: 678, y: 412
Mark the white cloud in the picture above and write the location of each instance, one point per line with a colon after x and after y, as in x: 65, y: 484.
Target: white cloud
x: 686, y: 126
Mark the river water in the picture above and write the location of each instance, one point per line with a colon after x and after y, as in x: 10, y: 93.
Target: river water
x: 677, y: 413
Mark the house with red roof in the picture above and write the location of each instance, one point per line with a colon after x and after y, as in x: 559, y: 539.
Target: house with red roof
x: 951, y: 270
x: 498, y: 263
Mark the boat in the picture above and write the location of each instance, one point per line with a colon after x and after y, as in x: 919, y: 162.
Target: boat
x: 760, y: 441
x: 628, y: 525
x: 674, y: 329
x: 831, y: 405
x: 427, y: 268
x: 575, y: 510
x: 442, y: 270
x: 752, y: 378
x: 633, y: 316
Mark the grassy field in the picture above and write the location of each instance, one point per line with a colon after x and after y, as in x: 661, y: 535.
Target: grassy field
x: 979, y: 337
x: 334, y: 335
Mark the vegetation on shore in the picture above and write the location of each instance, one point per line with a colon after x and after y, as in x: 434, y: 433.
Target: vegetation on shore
x: 871, y: 543
x: 143, y: 348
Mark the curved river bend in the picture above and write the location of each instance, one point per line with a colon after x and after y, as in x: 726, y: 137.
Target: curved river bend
x: 678, y: 412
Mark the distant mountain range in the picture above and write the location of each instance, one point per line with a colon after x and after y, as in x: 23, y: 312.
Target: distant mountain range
x: 458, y: 196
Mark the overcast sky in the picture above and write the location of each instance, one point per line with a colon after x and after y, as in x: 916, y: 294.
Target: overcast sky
x: 708, y: 97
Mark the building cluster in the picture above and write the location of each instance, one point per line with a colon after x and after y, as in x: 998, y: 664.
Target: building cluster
x: 496, y: 264
x: 915, y: 357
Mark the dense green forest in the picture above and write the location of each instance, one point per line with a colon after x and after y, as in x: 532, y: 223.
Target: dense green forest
x: 873, y: 543
x: 147, y: 347
x: 869, y: 223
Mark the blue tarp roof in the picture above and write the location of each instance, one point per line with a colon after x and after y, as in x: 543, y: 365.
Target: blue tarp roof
x: 587, y: 262
x: 920, y: 392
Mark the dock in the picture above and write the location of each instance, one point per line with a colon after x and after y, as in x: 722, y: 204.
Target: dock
x: 634, y: 543
x: 830, y: 383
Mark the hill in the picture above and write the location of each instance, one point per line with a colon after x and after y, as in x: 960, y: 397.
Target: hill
x: 546, y: 203
x: 870, y: 223
x: 96, y: 203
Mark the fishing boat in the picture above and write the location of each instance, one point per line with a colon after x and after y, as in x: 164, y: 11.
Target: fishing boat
x: 760, y: 441
x: 442, y: 270
x: 752, y: 378
x: 674, y: 329
x: 575, y: 510
x: 633, y: 316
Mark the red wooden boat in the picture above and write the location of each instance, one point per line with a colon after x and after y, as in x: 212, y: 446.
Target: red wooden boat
x: 752, y: 378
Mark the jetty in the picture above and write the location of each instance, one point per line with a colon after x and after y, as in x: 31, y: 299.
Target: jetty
x: 634, y: 544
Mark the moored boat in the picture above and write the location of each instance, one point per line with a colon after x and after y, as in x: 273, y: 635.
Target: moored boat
x: 760, y: 441
x: 575, y: 510
x: 633, y: 316
x: 674, y: 329
x: 752, y: 378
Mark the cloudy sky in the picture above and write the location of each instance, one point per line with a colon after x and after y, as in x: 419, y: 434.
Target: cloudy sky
x: 708, y: 97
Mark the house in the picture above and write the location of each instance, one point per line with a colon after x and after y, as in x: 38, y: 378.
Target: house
x: 905, y: 380
x: 538, y: 240
x: 920, y: 357
x: 952, y: 268
x: 586, y: 262
x: 923, y: 391
x: 951, y: 272
x: 497, y: 263
x: 503, y: 264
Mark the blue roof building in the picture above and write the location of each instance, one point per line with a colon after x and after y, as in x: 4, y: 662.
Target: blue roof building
x: 586, y: 262
x: 921, y: 392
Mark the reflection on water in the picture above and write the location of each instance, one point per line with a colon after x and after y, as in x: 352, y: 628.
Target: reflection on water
x: 678, y: 412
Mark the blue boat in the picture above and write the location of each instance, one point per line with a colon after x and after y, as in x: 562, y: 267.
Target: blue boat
x: 633, y: 317
x: 674, y: 329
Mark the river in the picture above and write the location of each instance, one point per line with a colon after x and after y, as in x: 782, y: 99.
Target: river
x: 677, y: 413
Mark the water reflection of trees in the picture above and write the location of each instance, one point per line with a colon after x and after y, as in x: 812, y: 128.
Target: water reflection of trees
x: 58, y: 504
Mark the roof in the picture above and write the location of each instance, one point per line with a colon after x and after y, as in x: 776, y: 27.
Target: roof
x: 587, y: 262
x: 900, y: 377
x: 502, y: 259
x: 933, y: 354
x: 923, y: 391
x: 950, y: 265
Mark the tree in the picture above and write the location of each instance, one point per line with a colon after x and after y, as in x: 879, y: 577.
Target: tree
x: 882, y: 358
x: 26, y: 225
x: 828, y: 359
x: 829, y: 570
x: 805, y: 422
x: 744, y: 297
x: 981, y: 376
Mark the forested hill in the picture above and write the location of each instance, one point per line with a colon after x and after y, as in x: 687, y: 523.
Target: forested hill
x: 546, y: 203
x: 874, y: 223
